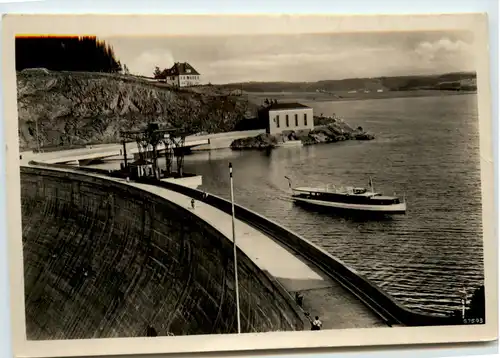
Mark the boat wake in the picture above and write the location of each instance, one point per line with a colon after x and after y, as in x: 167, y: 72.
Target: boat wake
x: 285, y: 198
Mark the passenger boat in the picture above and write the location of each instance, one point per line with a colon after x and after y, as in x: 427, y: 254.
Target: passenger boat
x: 349, y: 198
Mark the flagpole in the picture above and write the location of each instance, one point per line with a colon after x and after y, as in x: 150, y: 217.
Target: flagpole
x: 235, y: 251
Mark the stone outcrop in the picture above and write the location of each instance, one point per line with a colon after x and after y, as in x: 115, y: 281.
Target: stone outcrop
x: 261, y: 141
x: 334, y: 130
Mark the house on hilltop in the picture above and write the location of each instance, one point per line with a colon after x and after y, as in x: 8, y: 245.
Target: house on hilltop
x: 182, y: 74
x: 281, y: 117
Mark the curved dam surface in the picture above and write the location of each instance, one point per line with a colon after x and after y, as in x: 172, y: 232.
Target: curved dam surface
x: 103, y: 259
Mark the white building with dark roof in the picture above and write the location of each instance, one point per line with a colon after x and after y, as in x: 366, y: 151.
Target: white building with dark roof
x: 288, y: 117
x: 182, y: 74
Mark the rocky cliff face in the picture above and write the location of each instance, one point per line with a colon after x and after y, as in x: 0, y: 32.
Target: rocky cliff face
x: 82, y: 108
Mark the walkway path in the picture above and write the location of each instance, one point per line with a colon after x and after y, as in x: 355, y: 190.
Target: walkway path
x: 324, y: 297
x: 100, y: 152
x: 114, y: 150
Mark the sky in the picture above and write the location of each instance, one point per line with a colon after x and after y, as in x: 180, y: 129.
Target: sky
x: 300, y: 58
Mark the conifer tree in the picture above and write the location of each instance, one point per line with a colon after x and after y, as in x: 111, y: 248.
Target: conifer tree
x: 65, y: 53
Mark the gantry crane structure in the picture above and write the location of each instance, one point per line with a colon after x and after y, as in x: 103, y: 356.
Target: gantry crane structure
x: 148, y: 143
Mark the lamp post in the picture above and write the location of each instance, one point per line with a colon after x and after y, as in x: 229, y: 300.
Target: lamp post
x: 124, y: 154
x: 463, y: 301
x: 235, y: 251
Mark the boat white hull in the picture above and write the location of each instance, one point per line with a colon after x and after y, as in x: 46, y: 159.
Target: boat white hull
x: 393, y: 208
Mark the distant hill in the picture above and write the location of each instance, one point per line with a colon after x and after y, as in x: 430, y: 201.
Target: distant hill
x: 450, y: 81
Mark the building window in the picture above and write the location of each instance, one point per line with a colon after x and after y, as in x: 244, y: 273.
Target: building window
x: 287, y: 121
x: 305, y: 119
x: 296, y: 120
x: 277, y: 121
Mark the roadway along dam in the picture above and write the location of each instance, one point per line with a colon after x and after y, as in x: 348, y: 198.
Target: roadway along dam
x: 102, y: 259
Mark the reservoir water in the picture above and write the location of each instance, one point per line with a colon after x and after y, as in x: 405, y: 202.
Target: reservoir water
x: 427, y: 148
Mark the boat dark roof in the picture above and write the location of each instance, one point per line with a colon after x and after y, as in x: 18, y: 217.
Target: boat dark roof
x: 328, y: 190
x: 286, y: 105
x: 369, y: 194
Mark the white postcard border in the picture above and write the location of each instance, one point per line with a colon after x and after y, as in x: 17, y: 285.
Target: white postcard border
x: 140, y: 25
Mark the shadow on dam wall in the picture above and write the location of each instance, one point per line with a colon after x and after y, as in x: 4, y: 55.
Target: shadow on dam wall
x: 102, y: 259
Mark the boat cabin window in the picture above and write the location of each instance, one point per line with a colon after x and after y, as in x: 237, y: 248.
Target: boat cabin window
x: 359, y: 191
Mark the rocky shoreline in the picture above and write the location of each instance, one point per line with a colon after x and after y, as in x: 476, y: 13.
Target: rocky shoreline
x: 328, y: 130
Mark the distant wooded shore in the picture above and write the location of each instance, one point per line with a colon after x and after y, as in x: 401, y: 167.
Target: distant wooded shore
x: 359, y: 88
x: 259, y: 97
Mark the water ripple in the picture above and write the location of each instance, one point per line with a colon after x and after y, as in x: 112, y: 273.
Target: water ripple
x: 426, y: 148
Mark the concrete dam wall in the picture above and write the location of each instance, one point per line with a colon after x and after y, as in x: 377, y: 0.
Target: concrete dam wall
x: 103, y: 259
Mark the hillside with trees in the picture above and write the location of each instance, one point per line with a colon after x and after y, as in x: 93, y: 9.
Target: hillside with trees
x: 74, y: 91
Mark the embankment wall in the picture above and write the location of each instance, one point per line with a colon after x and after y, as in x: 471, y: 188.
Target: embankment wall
x: 104, y: 259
